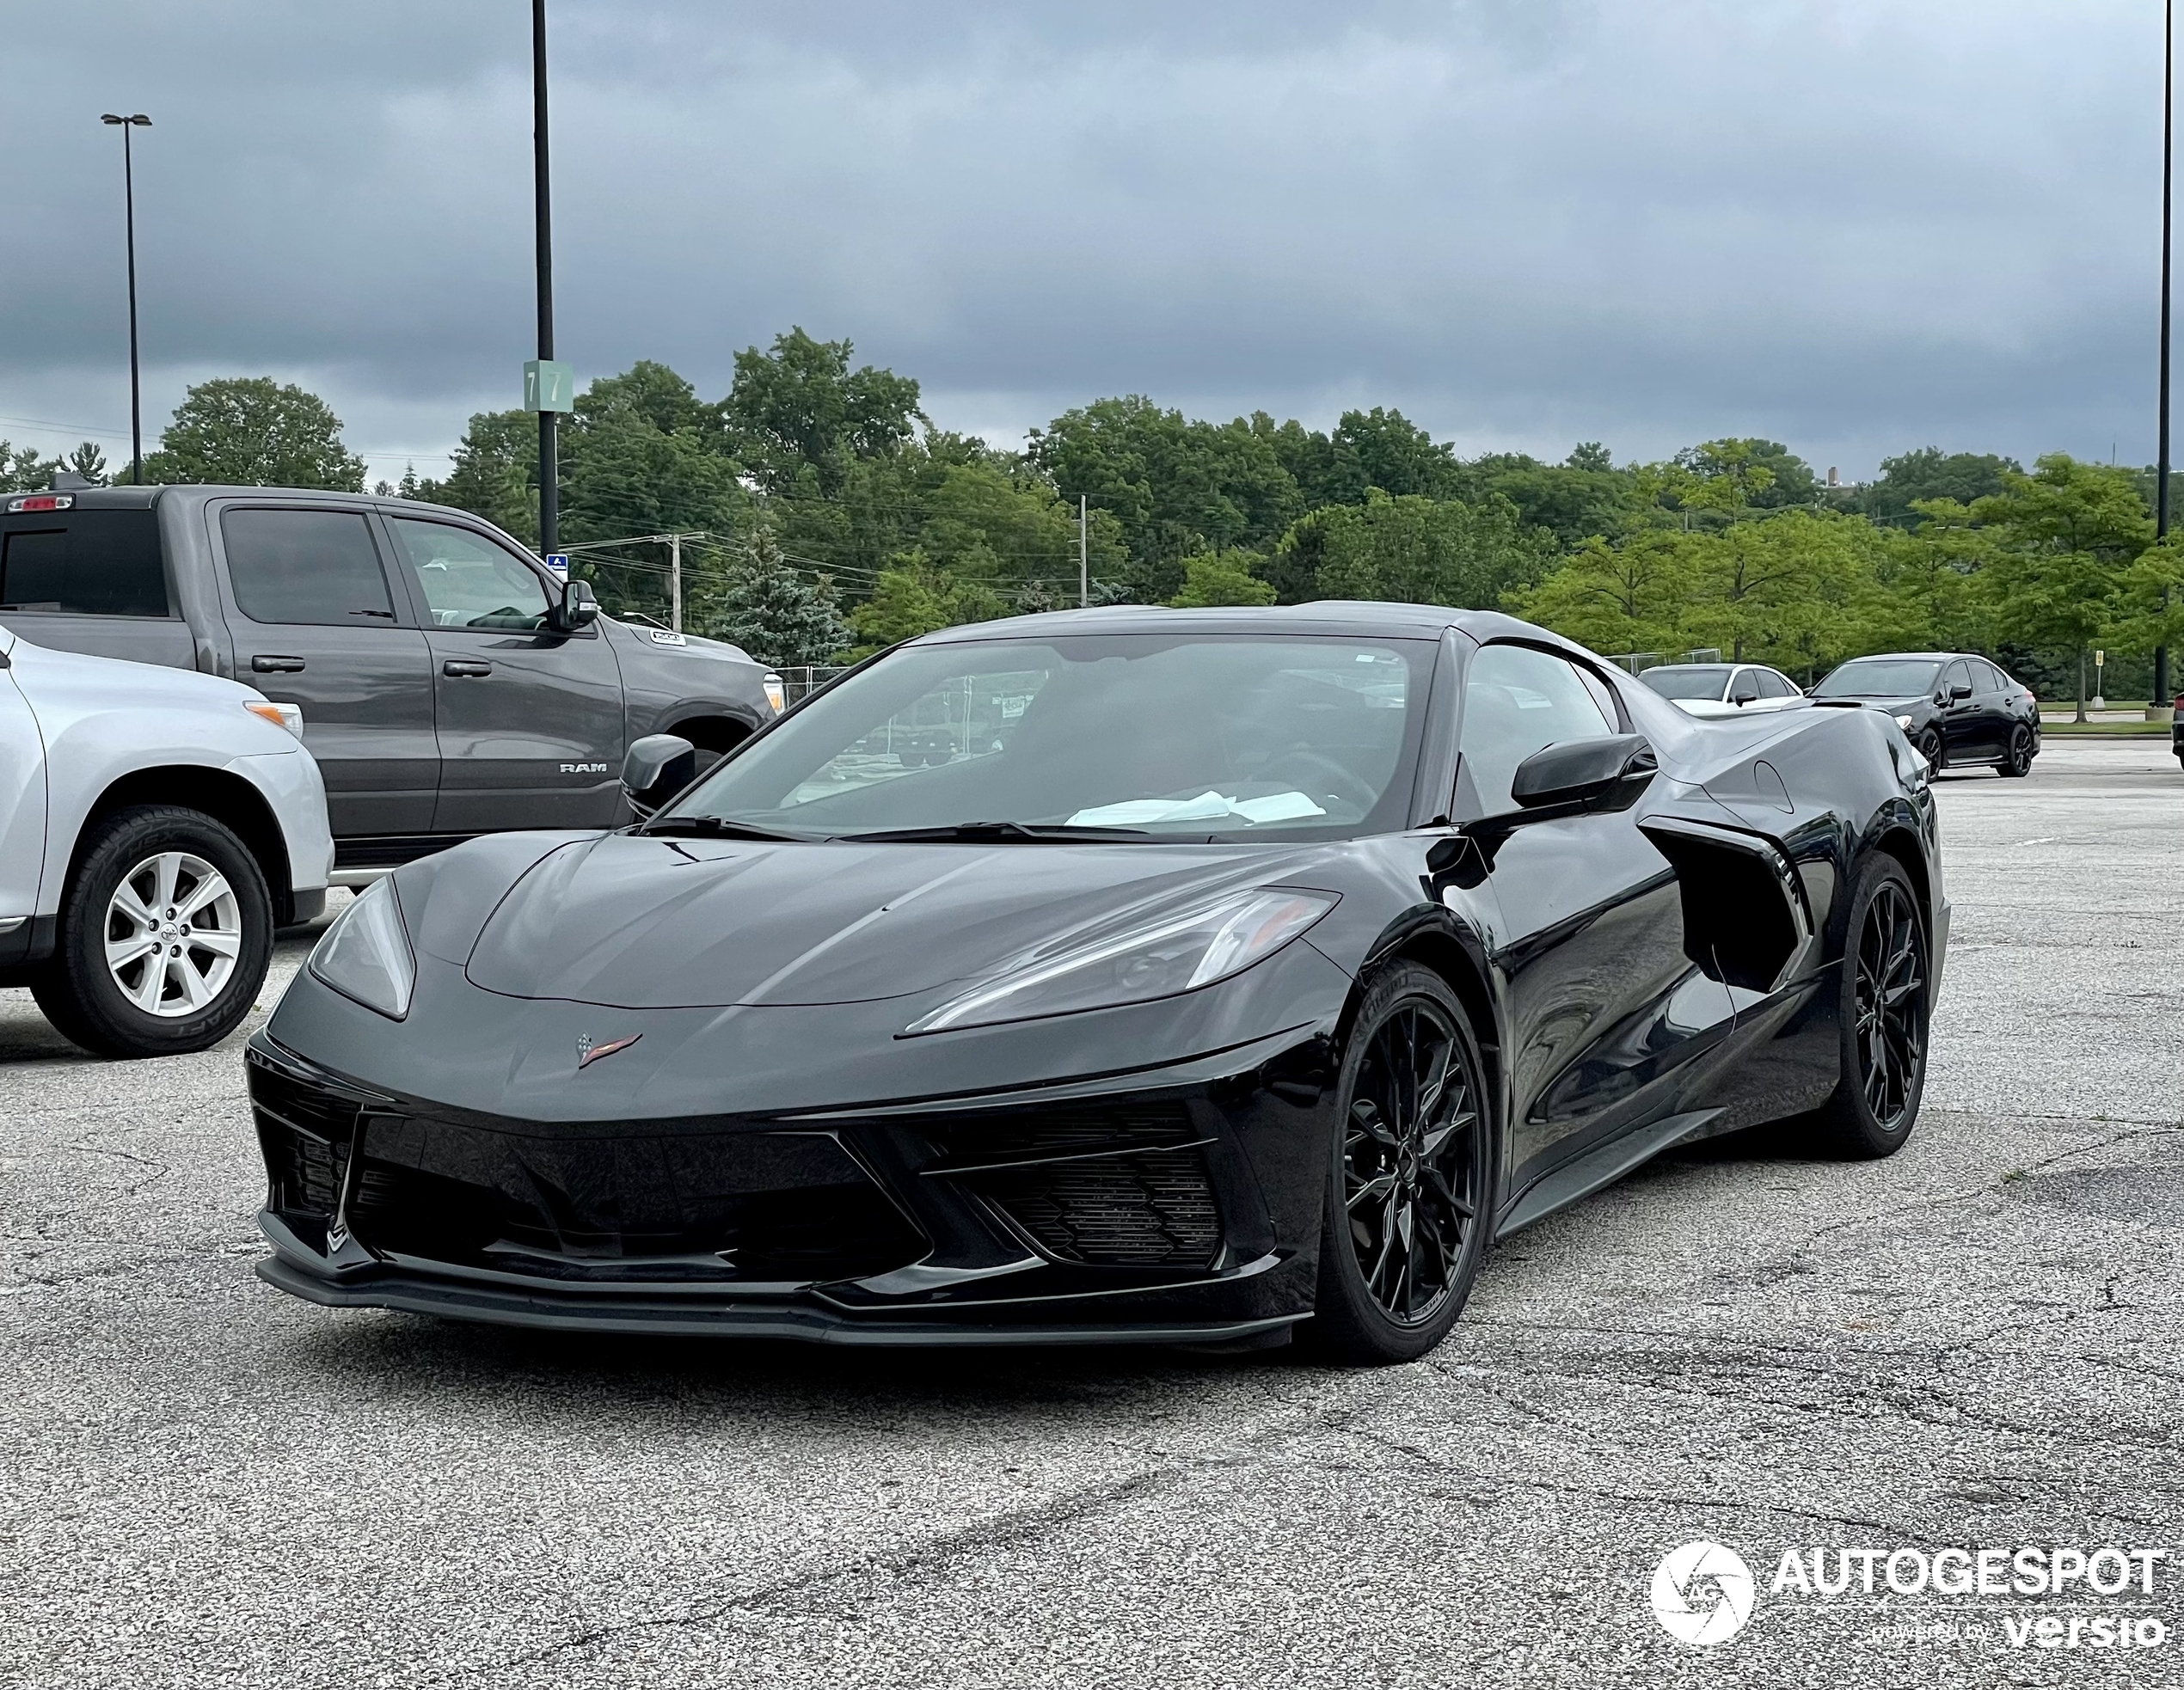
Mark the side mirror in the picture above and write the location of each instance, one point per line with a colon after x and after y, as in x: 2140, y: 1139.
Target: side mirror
x: 657, y: 766
x: 1958, y: 691
x: 579, y: 607
x: 1588, y: 773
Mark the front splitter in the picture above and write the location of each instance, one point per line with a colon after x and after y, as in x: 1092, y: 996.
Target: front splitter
x: 416, y: 1295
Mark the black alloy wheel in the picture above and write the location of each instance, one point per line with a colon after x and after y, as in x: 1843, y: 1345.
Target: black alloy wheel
x: 1884, y: 1006
x: 2017, y: 761
x: 1929, y: 747
x: 1409, y: 1193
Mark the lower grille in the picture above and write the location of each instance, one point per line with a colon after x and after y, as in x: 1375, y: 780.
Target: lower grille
x: 1107, y: 1187
x: 1149, y: 1210
x: 304, y: 1133
x: 749, y: 1206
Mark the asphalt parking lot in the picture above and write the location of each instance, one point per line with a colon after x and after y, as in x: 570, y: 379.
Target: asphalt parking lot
x: 1976, y: 1343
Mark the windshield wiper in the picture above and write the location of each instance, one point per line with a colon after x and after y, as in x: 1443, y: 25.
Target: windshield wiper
x: 709, y: 827
x: 1002, y: 833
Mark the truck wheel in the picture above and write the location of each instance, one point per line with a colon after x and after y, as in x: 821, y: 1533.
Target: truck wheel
x: 166, y: 931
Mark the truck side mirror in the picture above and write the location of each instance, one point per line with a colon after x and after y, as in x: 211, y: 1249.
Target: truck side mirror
x: 579, y: 609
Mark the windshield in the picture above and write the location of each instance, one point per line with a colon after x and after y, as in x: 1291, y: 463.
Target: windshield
x: 1169, y: 737
x: 1702, y: 680
x: 1879, y: 677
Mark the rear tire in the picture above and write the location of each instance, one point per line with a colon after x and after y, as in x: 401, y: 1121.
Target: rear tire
x: 2017, y: 761
x: 1885, y: 985
x: 180, y: 973
x: 1409, y: 1176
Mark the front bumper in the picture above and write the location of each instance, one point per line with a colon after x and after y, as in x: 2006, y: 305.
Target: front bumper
x: 1178, y: 1204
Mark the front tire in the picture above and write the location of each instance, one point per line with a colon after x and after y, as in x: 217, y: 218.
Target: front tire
x: 1884, y: 1001
x: 164, y: 936
x: 1929, y: 747
x: 1409, y: 1190
x: 2017, y: 761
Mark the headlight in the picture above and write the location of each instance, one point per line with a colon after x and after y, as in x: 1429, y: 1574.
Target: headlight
x: 281, y: 715
x: 777, y: 693
x: 365, y: 954
x: 1176, y: 952
x: 1904, y: 722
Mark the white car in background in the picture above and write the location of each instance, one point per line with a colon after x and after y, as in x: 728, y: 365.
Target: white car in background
x: 1723, y: 689
x: 156, y: 826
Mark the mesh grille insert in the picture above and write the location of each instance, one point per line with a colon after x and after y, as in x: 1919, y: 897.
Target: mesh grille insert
x: 1117, y: 1187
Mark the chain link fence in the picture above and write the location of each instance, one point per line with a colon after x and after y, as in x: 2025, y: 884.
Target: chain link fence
x: 800, y: 680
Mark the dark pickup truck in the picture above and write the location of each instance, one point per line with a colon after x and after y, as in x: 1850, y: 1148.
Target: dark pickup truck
x: 450, y: 684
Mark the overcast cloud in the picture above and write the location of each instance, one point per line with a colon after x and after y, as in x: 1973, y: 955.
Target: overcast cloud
x: 1855, y: 227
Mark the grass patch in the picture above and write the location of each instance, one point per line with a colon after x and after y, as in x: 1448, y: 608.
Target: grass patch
x: 2106, y: 730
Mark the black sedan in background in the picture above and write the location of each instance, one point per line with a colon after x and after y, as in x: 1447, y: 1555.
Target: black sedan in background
x: 1959, y: 709
x: 1229, y: 972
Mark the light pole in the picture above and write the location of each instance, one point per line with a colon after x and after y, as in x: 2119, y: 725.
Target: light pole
x: 2161, y: 470
x: 550, y: 492
x: 135, y: 120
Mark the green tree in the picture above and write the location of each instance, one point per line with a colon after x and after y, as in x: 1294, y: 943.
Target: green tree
x: 494, y: 473
x: 250, y: 431
x: 1739, y: 473
x: 1928, y: 472
x: 1779, y: 588
x: 911, y: 597
x: 21, y: 468
x: 2062, y: 540
x: 762, y: 603
x: 1411, y: 550
x: 1222, y: 578
x: 1635, y: 596
x: 798, y: 415
x: 1924, y: 594
x: 1176, y: 488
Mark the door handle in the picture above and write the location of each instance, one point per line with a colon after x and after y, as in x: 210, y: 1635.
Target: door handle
x: 278, y: 666
x: 461, y: 667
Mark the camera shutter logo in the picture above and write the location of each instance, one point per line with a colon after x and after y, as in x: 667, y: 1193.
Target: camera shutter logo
x: 1702, y: 1593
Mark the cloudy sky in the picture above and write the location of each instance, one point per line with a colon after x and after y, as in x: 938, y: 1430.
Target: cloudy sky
x: 1854, y: 226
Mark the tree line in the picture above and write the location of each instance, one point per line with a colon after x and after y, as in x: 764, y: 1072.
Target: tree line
x: 827, y: 517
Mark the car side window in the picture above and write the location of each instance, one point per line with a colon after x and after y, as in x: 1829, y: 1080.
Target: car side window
x: 84, y: 563
x: 1772, y: 685
x: 467, y: 581
x: 1520, y: 700
x: 317, y: 568
x: 1743, y: 686
x: 1958, y: 674
x: 1990, y: 679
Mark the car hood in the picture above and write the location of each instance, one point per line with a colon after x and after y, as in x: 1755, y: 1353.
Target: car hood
x: 649, y: 923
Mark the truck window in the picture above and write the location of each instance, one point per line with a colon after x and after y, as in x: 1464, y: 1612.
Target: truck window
x: 312, y: 566
x: 84, y: 563
x: 467, y: 581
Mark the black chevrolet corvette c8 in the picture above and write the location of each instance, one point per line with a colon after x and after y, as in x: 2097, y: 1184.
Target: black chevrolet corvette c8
x: 1120, y: 974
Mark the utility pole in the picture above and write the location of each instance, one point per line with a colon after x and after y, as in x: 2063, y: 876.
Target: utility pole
x: 2161, y: 468
x: 135, y: 120
x: 549, y: 492
x: 1084, y: 559
x: 675, y: 582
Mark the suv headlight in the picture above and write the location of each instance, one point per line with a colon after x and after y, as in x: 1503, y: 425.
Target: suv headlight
x: 1905, y: 723
x: 365, y: 954
x: 1176, y: 952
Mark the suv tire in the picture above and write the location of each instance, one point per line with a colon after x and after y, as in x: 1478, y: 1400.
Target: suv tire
x: 189, y: 969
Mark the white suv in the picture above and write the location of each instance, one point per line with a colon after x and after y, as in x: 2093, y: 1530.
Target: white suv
x: 156, y: 827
